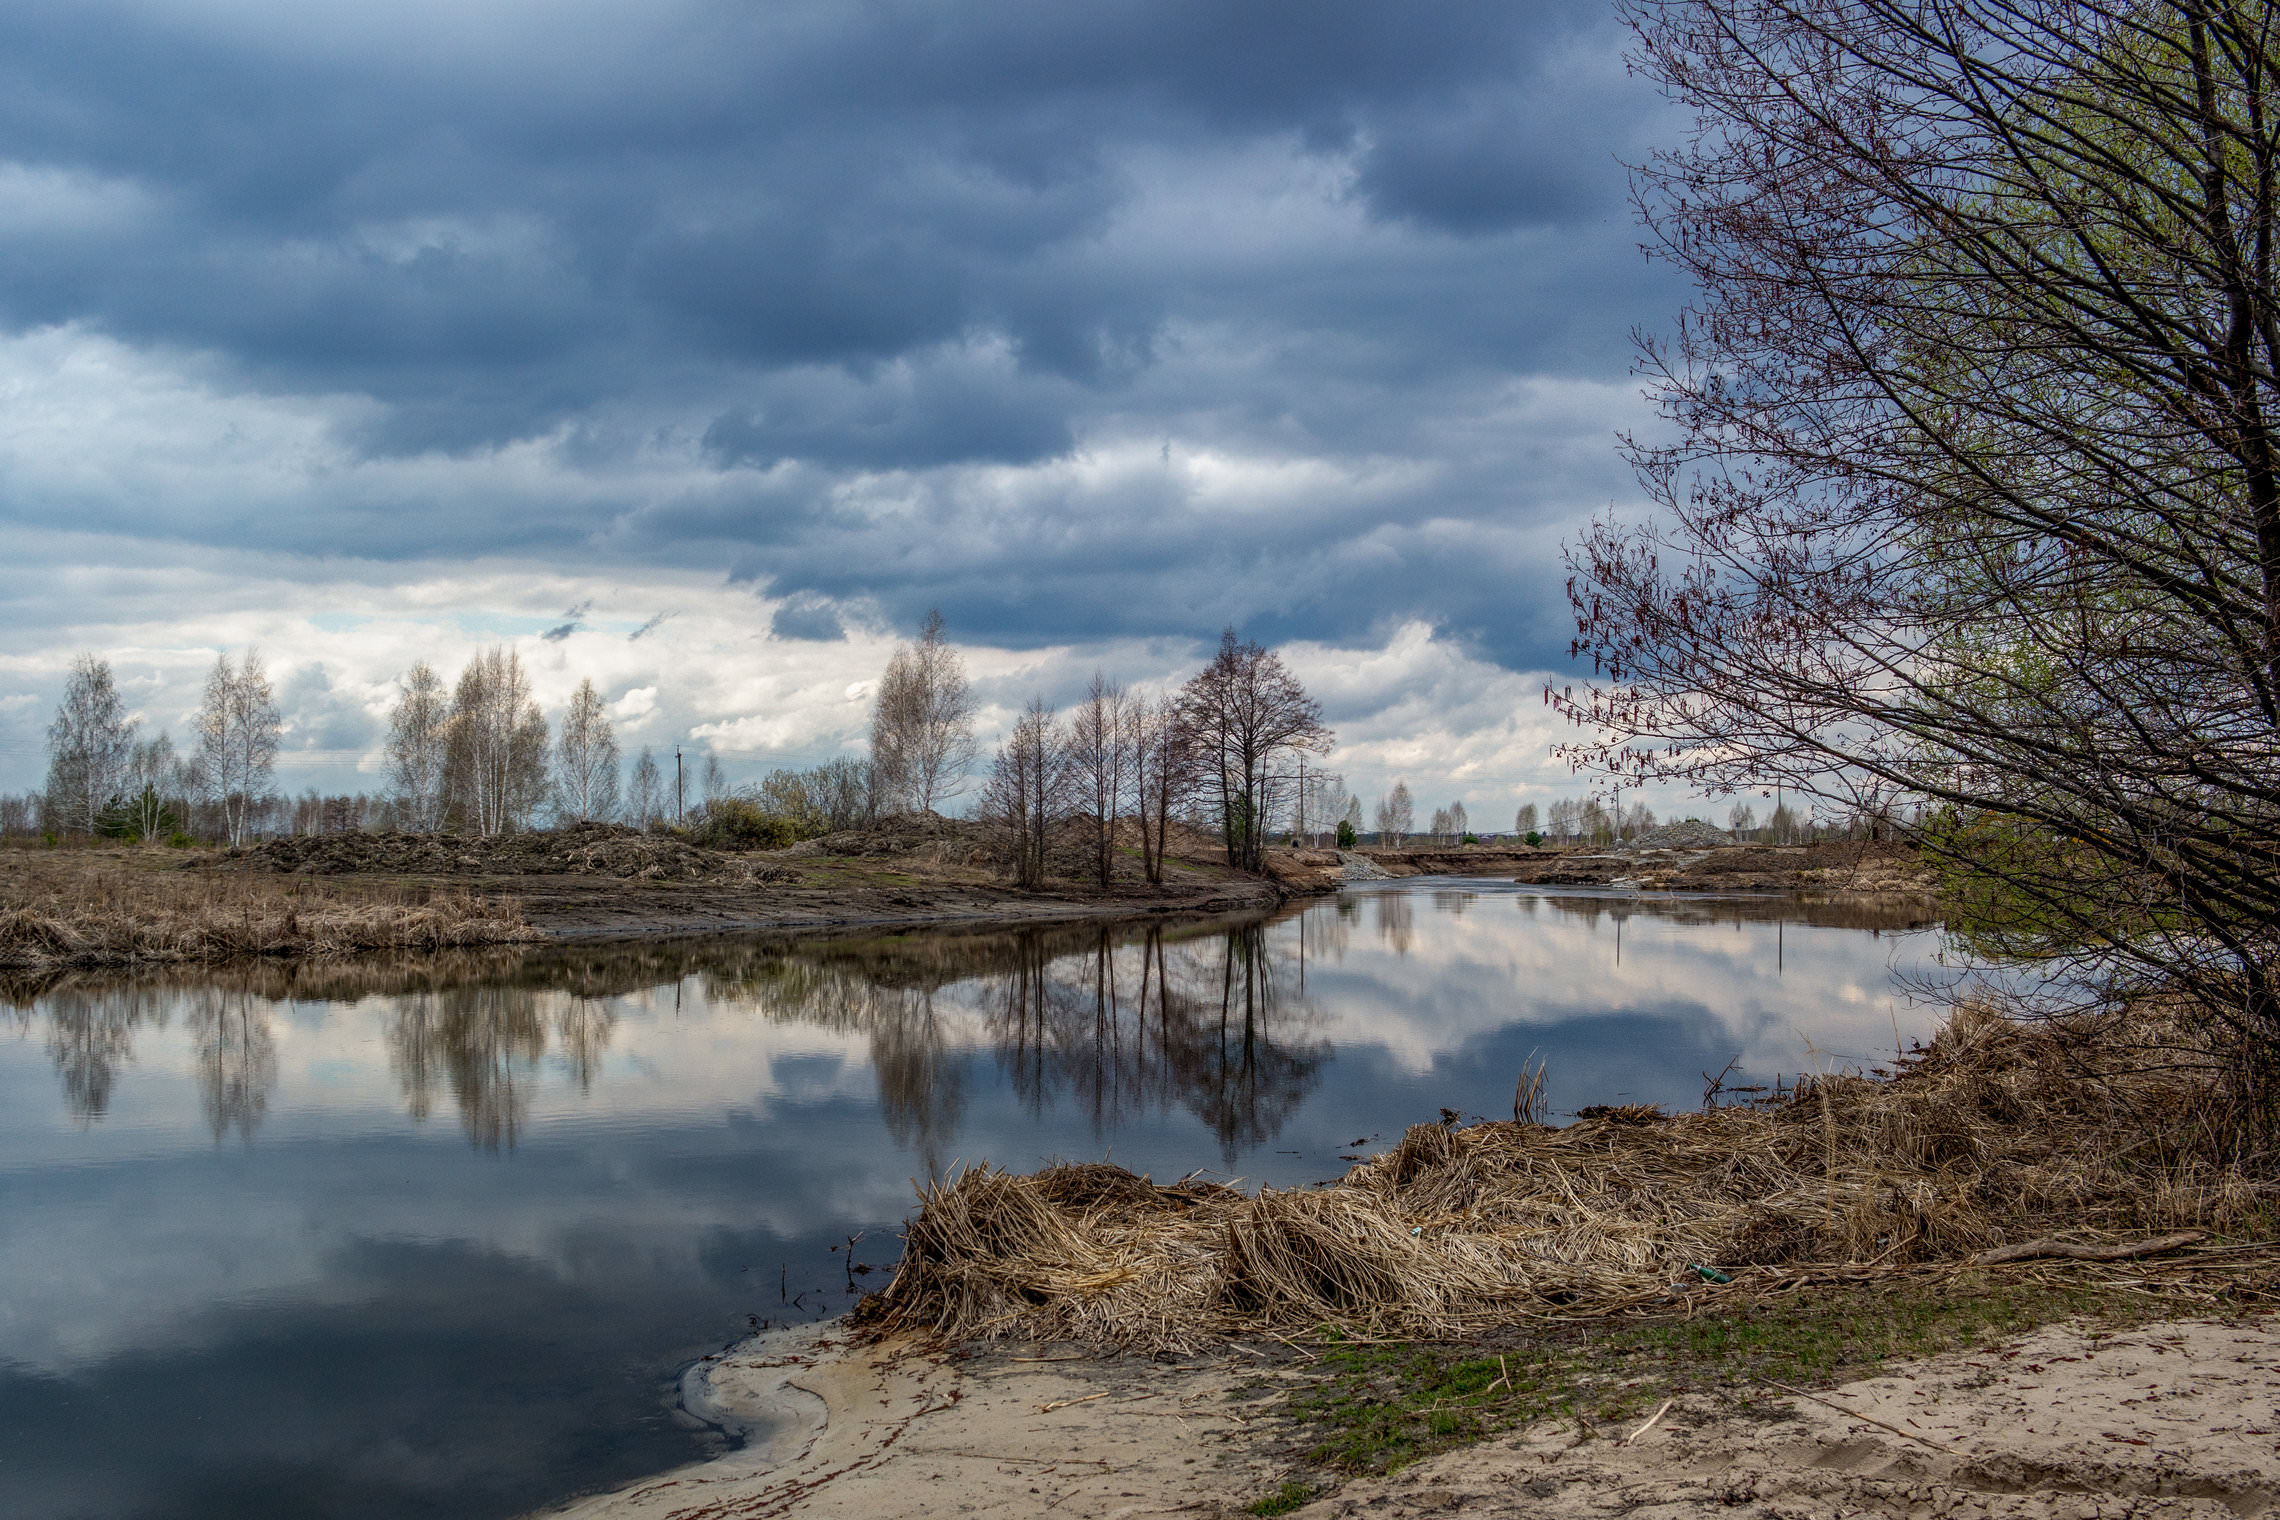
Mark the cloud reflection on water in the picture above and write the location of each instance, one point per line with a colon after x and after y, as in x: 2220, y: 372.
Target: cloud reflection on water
x: 516, y: 1186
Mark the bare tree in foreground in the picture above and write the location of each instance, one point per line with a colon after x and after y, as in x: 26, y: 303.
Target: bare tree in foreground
x: 586, y: 760
x: 922, y: 723
x: 1972, y: 493
x: 89, y: 745
x: 1248, y: 714
x: 418, y: 731
x: 238, y: 731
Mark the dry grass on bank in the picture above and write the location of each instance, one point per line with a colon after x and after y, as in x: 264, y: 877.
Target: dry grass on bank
x: 119, y: 908
x: 1995, y: 1133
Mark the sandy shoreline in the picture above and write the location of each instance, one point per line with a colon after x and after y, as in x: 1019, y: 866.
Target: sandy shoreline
x: 2176, y: 1418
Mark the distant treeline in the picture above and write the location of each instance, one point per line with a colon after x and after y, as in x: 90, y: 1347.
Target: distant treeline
x: 1232, y: 752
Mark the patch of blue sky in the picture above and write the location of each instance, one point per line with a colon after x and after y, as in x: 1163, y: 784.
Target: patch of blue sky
x: 502, y: 625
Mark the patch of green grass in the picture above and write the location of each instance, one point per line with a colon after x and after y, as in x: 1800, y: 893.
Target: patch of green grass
x: 1282, y: 1501
x: 1376, y: 1408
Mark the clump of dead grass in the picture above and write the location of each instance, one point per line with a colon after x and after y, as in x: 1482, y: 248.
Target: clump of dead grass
x: 1995, y: 1132
x: 108, y: 909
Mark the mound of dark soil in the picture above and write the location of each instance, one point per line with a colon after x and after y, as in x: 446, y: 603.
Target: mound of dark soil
x: 949, y: 841
x: 1686, y: 834
x: 585, y: 849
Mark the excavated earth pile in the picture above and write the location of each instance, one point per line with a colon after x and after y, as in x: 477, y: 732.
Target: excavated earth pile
x: 1686, y: 834
x: 585, y: 849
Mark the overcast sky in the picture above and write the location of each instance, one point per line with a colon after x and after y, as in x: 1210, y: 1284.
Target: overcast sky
x: 701, y: 346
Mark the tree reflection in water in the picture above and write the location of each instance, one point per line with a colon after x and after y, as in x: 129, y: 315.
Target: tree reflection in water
x: 1117, y: 1021
x: 484, y: 1043
x: 1396, y: 923
x: 582, y: 1030
x: 91, y: 1034
x: 1122, y: 1028
x: 237, y: 1059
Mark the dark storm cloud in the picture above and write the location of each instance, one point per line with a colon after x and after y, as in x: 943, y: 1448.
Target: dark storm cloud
x: 807, y: 617
x: 813, y: 245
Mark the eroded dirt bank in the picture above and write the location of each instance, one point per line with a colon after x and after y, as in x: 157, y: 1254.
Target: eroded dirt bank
x: 315, y: 897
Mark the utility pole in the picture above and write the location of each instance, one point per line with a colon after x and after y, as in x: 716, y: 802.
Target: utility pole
x: 677, y: 796
x: 1302, y: 796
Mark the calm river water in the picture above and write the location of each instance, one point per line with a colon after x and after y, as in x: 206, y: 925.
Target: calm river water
x: 439, y: 1238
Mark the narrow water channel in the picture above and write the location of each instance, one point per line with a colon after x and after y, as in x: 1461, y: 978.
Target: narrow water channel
x: 436, y: 1238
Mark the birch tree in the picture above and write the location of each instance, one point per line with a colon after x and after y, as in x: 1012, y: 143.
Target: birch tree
x: 586, y: 760
x: 1322, y: 803
x: 418, y: 737
x: 239, y: 728
x: 153, y: 775
x: 1396, y: 814
x: 495, y: 753
x: 922, y: 723
x: 89, y: 744
x: 647, y: 796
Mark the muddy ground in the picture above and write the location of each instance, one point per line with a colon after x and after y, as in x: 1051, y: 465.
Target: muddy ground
x: 600, y: 880
x: 1815, y: 870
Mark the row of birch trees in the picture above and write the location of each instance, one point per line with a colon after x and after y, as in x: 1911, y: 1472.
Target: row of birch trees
x: 480, y: 759
x: 105, y: 778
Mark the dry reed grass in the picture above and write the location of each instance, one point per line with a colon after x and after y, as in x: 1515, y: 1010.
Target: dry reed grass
x: 1995, y: 1132
x: 115, y: 908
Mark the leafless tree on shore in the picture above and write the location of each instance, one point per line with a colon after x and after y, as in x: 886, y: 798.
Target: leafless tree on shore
x: 1163, y: 777
x: 155, y: 780
x: 646, y: 799
x: 495, y: 757
x: 89, y: 745
x: 1100, y: 742
x: 1396, y: 814
x: 922, y: 723
x: 1029, y: 789
x: 1248, y: 714
x: 239, y: 728
x: 418, y: 730
x: 586, y: 760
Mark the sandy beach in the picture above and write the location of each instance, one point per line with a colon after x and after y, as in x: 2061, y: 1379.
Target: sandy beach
x: 2175, y: 1418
